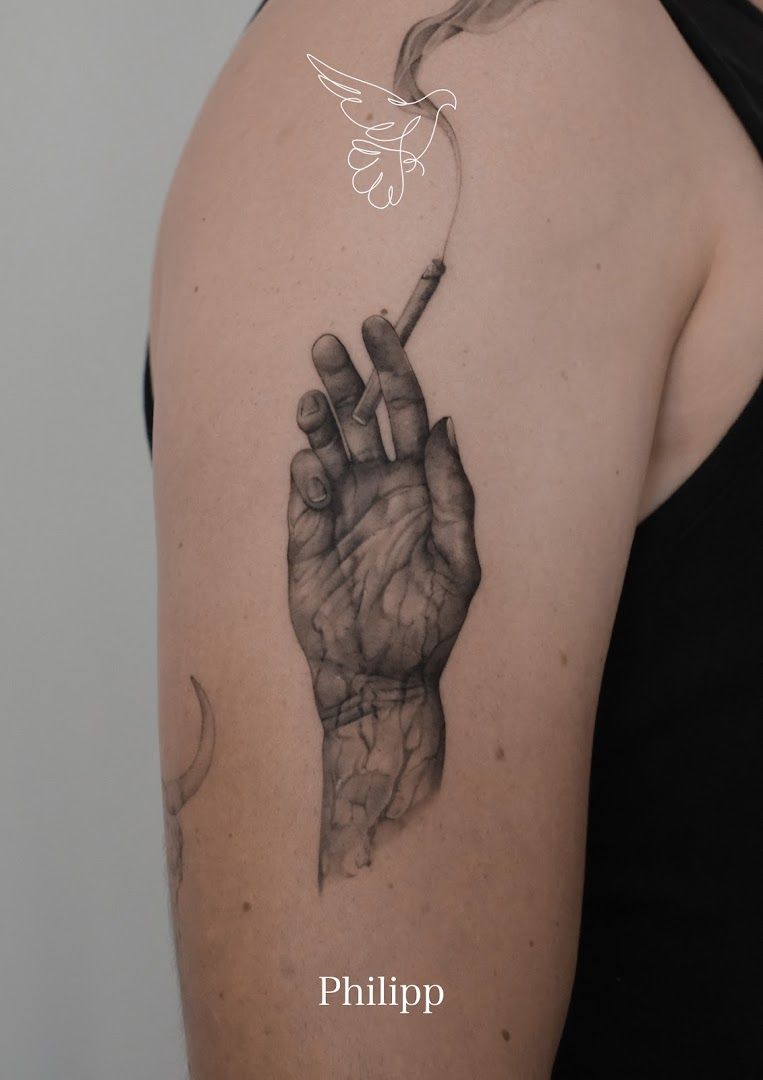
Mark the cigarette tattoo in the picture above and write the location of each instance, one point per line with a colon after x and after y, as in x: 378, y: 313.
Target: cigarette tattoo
x: 176, y: 793
x: 382, y: 556
x: 414, y: 309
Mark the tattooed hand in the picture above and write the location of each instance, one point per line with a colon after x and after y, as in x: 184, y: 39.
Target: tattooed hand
x: 382, y: 568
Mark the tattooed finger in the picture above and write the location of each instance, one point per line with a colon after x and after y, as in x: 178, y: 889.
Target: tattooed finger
x: 315, y: 419
x: 311, y: 480
x: 345, y: 388
x: 402, y: 394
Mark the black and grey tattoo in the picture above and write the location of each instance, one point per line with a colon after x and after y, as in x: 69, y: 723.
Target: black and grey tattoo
x: 382, y: 567
x: 176, y: 793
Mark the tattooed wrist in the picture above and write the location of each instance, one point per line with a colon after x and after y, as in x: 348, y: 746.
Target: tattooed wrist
x: 342, y: 697
x: 377, y: 767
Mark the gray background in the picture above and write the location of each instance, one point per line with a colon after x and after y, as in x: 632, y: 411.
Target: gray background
x: 96, y: 99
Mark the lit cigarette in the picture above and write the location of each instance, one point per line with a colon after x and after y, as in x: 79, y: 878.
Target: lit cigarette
x: 425, y: 289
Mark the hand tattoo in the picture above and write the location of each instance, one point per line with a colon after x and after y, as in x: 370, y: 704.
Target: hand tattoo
x: 382, y: 568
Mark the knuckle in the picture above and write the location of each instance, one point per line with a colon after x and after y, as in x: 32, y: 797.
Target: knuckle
x: 345, y: 400
x: 402, y: 400
x: 325, y: 438
x: 301, y: 461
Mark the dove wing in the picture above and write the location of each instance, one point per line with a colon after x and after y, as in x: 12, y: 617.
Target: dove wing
x: 359, y: 97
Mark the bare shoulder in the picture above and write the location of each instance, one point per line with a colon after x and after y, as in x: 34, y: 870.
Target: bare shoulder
x: 513, y: 188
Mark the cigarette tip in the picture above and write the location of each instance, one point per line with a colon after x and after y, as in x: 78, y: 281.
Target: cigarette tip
x: 435, y: 269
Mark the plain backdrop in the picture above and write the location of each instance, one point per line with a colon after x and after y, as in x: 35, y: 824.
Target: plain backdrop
x: 96, y: 99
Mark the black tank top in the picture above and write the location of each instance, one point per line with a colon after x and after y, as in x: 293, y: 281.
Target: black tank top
x: 669, y: 982
x: 670, y: 966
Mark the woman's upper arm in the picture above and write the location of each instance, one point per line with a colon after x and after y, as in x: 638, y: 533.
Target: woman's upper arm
x: 338, y: 632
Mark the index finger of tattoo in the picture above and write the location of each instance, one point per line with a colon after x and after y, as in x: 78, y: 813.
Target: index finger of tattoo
x: 345, y: 386
x: 405, y: 403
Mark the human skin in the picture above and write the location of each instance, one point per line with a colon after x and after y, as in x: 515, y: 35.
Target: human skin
x: 602, y: 261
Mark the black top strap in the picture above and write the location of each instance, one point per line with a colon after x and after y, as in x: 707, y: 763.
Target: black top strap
x: 727, y: 38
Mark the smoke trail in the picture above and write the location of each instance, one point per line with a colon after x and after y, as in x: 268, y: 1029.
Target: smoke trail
x: 470, y: 16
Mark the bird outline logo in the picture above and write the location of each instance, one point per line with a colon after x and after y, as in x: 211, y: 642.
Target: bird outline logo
x: 391, y: 148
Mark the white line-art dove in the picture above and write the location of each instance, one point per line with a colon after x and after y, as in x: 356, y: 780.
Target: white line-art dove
x: 392, y: 147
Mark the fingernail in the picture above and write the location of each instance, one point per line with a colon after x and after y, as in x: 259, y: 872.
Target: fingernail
x: 316, y: 490
x: 451, y: 433
x: 310, y: 404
